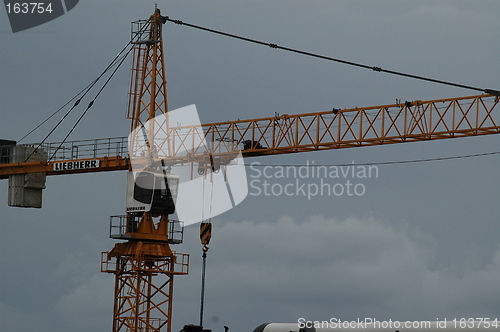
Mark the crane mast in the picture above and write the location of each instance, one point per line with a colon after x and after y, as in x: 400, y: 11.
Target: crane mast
x: 144, y: 265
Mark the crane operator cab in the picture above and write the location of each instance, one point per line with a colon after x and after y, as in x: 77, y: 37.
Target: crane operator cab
x: 151, y: 192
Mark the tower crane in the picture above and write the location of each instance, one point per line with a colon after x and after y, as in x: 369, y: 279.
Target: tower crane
x: 144, y: 264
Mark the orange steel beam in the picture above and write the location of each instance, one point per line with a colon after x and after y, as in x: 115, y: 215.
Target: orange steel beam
x: 336, y: 129
x: 60, y: 167
x: 387, y: 124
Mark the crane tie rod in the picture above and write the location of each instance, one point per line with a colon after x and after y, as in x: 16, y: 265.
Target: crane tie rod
x: 350, y: 63
x: 89, y: 106
x: 117, y: 62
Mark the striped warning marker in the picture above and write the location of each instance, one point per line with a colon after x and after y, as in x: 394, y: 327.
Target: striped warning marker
x: 205, y: 233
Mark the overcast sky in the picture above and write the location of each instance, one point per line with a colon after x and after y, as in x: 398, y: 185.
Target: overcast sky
x: 421, y: 243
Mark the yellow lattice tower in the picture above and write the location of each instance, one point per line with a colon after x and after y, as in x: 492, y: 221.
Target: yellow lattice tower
x: 144, y: 265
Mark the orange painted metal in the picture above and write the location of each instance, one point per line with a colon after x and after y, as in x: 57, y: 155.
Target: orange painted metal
x: 338, y: 129
x: 106, y: 164
x: 387, y: 124
x: 144, y: 265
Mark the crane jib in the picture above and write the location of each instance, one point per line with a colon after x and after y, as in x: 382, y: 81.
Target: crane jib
x: 74, y: 165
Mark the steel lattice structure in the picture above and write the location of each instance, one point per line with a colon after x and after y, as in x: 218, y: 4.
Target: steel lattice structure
x: 144, y: 265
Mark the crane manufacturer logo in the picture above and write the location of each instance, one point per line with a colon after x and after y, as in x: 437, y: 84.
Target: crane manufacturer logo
x: 25, y: 14
x: 212, y: 176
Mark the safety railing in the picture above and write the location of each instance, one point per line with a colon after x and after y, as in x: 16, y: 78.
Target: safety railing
x: 123, y: 226
x: 176, y: 263
x: 85, y: 149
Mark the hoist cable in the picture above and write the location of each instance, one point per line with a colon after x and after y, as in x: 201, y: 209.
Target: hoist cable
x: 211, y: 196
x: 203, y: 269
x: 350, y: 63
x: 203, y: 199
